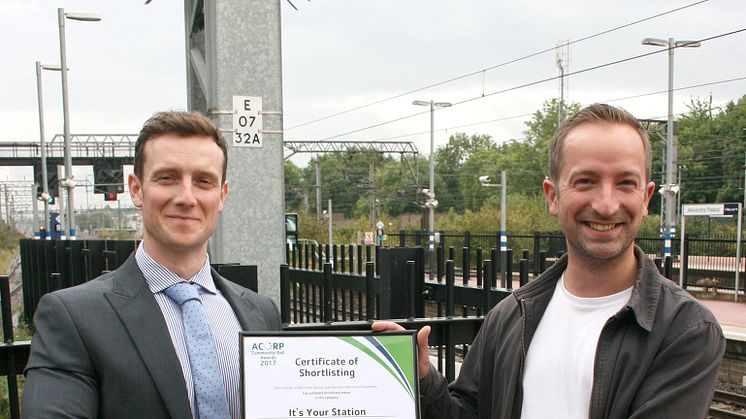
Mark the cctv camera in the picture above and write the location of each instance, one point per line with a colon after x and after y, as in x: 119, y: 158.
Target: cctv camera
x: 484, y: 179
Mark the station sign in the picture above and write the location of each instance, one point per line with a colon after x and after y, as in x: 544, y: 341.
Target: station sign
x: 728, y: 209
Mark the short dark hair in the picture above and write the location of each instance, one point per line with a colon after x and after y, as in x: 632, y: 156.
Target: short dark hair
x: 596, y: 113
x: 182, y: 124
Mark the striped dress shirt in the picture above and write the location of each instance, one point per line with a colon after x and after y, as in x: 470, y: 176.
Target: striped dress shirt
x: 223, y: 323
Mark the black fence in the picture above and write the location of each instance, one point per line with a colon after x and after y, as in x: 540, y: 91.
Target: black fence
x: 551, y: 244
x: 392, y: 286
x: 314, y: 273
x: 50, y: 265
x: 317, y: 295
x: 707, y: 258
x: 713, y: 259
x: 345, y: 287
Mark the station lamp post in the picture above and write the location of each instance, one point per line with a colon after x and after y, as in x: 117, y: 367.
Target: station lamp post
x: 670, y: 188
x: 44, y: 176
x: 431, y: 202
x: 69, y: 181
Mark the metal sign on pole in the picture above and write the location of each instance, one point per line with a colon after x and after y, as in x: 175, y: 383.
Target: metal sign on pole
x: 713, y: 210
x: 247, y: 121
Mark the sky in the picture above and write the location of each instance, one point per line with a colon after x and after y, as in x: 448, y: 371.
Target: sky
x: 339, y: 55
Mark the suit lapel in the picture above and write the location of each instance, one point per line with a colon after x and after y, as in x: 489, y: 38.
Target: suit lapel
x: 142, y: 317
x: 249, y: 316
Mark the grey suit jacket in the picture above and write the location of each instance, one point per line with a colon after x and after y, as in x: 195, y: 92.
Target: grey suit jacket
x: 103, y: 350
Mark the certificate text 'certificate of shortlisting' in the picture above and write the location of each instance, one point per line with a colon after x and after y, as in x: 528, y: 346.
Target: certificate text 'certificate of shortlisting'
x: 329, y: 375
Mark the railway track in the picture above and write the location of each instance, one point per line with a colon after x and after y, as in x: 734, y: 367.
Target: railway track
x: 728, y: 406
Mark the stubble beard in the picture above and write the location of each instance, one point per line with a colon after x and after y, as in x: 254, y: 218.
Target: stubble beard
x: 595, y: 256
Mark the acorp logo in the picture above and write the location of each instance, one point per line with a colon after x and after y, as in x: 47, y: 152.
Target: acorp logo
x: 267, y: 346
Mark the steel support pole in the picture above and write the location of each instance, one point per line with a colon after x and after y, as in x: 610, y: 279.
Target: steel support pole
x: 669, y: 201
x: 318, y: 191
x: 431, y: 199
x: 44, y: 175
x: 372, y: 186
x: 35, y: 212
x: 60, y: 199
x: 329, y: 205
x: 738, y: 253
x: 8, y: 218
x: 69, y: 181
x: 503, y: 228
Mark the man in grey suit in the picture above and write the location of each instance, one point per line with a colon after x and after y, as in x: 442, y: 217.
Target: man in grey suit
x: 119, y: 346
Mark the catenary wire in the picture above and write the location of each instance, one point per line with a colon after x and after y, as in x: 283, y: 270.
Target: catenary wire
x: 529, y: 114
x: 473, y: 73
x: 533, y: 83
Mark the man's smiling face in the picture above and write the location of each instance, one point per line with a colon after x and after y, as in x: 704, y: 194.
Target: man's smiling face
x: 601, y: 194
x: 181, y: 193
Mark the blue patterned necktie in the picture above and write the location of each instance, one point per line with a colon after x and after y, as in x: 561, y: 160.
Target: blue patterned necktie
x: 203, y: 357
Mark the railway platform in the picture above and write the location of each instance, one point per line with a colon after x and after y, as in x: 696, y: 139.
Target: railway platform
x: 731, y: 316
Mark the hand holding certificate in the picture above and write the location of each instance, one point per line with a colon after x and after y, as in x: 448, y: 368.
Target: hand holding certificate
x: 329, y: 374
x: 423, y: 355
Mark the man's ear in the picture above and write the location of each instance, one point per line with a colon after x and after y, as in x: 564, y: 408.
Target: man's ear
x: 223, y: 195
x: 135, y: 188
x: 649, y: 190
x: 550, y: 194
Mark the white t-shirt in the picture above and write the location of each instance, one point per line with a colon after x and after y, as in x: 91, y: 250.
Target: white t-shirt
x: 558, y: 374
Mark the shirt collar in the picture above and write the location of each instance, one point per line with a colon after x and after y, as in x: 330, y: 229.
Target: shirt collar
x: 643, y: 303
x: 646, y: 291
x: 158, y: 277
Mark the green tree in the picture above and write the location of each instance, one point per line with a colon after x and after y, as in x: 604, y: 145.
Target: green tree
x: 711, y: 157
x: 296, y: 187
x: 451, y: 160
x: 711, y: 152
x: 525, y: 213
x: 539, y: 131
x: 695, y: 134
x: 730, y: 124
x: 544, y: 122
x: 524, y: 161
x: 482, y: 163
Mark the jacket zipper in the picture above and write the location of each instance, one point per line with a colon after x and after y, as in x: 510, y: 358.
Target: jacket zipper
x: 603, y: 343
x: 519, y: 387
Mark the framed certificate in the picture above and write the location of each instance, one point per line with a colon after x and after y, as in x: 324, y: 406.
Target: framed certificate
x: 341, y: 374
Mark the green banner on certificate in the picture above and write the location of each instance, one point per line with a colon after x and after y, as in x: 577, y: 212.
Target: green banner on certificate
x: 329, y: 375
